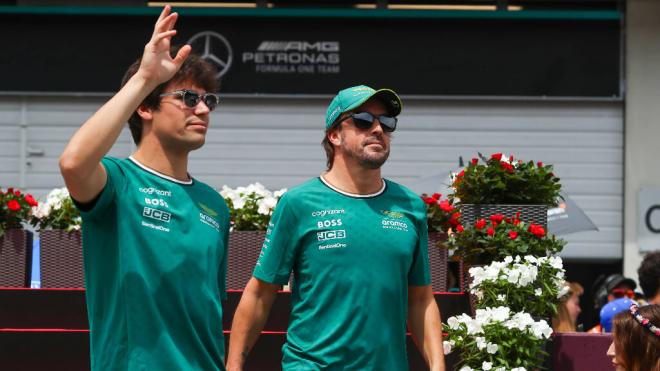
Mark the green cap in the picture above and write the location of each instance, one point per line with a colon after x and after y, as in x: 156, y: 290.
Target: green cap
x: 353, y: 97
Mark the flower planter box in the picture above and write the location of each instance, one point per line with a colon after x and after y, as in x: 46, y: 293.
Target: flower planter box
x: 438, y: 261
x: 61, y: 259
x: 15, y: 258
x: 244, y: 250
x: 537, y: 214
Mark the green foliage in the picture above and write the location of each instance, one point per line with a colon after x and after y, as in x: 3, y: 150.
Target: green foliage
x: 58, y: 212
x: 501, y: 180
x: 15, y: 207
x: 492, y: 240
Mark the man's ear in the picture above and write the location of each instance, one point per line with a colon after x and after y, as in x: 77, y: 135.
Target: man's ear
x: 334, y: 137
x: 146, y: 113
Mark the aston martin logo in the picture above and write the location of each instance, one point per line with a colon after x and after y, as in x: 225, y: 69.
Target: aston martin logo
x: 207, y: 210
x: 214, y: 48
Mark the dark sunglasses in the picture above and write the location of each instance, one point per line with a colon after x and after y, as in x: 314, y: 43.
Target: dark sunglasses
x: 191, y: 99
x: 364, y: 121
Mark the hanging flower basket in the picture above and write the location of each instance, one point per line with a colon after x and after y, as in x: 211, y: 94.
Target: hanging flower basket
x: 15, y: 258
x: 530, y: 214
x: 61, y: 259
x: 244, y: 249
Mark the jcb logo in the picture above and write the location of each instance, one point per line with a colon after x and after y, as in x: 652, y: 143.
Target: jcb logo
x: 331, y: 235
x: 157, y: 214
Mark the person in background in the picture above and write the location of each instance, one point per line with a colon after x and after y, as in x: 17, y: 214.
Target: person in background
x: 636, y: 339
x: 649, y: 277
x: 568, y: 310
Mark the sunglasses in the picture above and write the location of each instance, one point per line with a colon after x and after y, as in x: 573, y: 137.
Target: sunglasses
x: 364, y: 121
x: 620, y: 293
x: 191, y: 99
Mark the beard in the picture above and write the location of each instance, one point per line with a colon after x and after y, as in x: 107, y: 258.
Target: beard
x: 369, y: 160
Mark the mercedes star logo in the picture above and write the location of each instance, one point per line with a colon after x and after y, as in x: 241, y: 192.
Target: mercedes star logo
x: 214, y: 48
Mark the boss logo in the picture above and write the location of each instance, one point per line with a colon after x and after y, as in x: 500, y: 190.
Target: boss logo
x: 329, y: 223
x: 157, y: 214
x: 156, y: 202
x: 330, y: 235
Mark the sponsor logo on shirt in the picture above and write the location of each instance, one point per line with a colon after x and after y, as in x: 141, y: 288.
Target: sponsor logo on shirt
x: 392, y: 214
x: 207, y: 210
x: 152, y: 190
x: 329, y: 223
x: 156, y: 227
x: 156, y: 202
x: 160, y: 215
x: 331, y: 235
x: 322, y: 213
x: 207, y: 215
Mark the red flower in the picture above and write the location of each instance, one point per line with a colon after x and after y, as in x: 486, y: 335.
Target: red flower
x: 17, y: 192
x: 460, y: 175
x: 13, y: 205
x: 507, y: 166
x: 30, y: 200
x: 490, y: 231
x: 496, y: 156
x: 459, y: 228
x: 475, y: 161
x: 539, y: 164
x: 10, y: 190
x: 436, y: 196
x: 428, y: 200
x: 511, y: 159
x: 516, y: 221
x: 513, y: 235
x: 480, y: 223
x: 453, y: 221
x: 496, y: 218
x: 536, y: 230
x: 446, y: 206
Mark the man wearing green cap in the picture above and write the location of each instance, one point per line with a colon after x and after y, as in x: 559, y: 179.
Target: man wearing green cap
x: 357, y: 246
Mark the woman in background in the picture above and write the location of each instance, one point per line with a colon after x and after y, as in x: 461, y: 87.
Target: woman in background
x: 636, y: 345
x: 568, y: 309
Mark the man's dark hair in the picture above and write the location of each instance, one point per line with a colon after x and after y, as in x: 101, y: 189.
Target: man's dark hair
x: 194, y: 69
x: 649, y: 274
x: 327, y: 146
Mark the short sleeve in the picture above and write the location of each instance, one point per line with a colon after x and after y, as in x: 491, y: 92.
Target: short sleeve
x: 114, y: 184
x: 419, y: 274
x: 278, y: 251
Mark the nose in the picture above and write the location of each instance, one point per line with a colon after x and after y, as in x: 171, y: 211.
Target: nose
x: 201, y: 108
x: 376, y: 127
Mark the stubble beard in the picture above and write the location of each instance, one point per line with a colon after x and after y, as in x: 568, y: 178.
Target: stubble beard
x: 373, y: 160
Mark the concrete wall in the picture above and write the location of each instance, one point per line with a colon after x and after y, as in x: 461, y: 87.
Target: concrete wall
x: 642, y: 117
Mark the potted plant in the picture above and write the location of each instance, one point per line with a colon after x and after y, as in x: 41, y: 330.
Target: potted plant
x: 59, y: 222
x: 442, y: 217
x: 497, y: 237
x: 504, y: 185
x: 15, y: 241
x: 497, y: 339
x: 250, y: 209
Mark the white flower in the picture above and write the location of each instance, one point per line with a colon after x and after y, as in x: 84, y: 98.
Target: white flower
x: 492, y: 348
x: 481, y: 342
x: 519, y: 369
x: 508, y: 259
x: 278, y: 194
x: 501, y: 297
x: 466, y: 368
x: 487, y: 366
x: 538, y: 292
x: 446, y: 346
x: 453, y: 323
x: 500, y: 369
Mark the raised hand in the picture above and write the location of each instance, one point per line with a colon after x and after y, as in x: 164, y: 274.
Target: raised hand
x: 157, y: 65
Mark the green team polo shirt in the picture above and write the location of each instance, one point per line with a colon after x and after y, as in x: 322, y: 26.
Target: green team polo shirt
x: 353, y: 258
x: 155, y: 256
